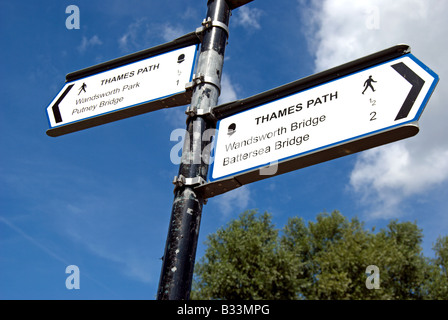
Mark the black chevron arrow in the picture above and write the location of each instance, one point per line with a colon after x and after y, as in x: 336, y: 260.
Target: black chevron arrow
x: 55, y: 108
x: 417, y: 85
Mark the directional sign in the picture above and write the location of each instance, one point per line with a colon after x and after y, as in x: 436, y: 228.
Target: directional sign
x: 361, y: 110
x: 146, y: 85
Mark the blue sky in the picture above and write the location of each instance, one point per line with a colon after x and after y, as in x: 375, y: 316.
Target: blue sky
x: 101, y: 198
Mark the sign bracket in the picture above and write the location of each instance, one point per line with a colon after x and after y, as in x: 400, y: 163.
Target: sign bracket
x: 201, y: 78
x: 197, y: 80
x: 209, y: 23
x: 180, y: 181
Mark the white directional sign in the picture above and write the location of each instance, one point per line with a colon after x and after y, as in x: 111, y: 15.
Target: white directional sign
x: 357, y: 106
x: 122, y: 91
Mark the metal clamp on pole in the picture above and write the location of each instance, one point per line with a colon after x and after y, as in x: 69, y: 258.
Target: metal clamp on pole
x: 180, y: 181
x: 193, y: 112
x: 201, y: 78
x: 208, y: 23
x: 197, y: 80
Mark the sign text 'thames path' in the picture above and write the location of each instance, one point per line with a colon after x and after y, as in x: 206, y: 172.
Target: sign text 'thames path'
x: 122, y: 91
x: 358, y: 108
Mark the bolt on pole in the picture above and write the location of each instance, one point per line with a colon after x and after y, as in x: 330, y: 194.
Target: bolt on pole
x: 180, y: 249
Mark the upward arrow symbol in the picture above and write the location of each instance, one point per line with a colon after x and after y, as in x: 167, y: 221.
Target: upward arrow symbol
x: 417, y: 85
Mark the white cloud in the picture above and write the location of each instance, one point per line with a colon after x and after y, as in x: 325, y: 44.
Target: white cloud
x: 247, y: 17
x: 176, y: 117
x: 135, y: 36
x: 233, y: 201
x: 47, y: 249
x: 228, y: 90
x: 34, y: 241
x: 343, y: 30
x: 384, y: 177
x: 100, y: 228
x: 86, y: 43
x: 171, y: 32
x: 141, y: 33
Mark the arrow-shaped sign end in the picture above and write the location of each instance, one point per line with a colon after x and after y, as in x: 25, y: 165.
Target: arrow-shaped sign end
x: 417, y: 85
x: 55, y: 108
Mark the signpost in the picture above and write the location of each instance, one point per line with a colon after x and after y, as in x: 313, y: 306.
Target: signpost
x: 365, y: 103
x: 309, y: 124
x: 180, y: 249
x: 123, y: 88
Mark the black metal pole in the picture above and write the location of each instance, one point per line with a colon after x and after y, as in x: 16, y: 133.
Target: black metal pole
x: 180, y: 249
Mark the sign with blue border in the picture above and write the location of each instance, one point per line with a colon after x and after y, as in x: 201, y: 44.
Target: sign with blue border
x: 146, y: 85
x: 356, y: 107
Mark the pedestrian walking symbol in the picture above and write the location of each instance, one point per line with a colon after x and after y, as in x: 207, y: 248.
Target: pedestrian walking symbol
x: 83, y: 88
x: 368, y: 84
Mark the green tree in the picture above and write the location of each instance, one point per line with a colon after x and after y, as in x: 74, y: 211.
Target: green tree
x: 436, y: 284
x: 245, y: 261
x: 327, y: 259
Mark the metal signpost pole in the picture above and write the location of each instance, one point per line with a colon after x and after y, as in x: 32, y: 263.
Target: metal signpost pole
x: 180, y: 250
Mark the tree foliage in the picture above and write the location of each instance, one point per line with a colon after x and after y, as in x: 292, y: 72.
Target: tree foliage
x: 326, y: 259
